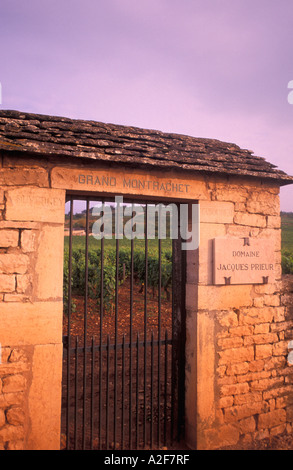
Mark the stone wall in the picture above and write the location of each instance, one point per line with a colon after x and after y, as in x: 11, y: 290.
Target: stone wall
x: 31, y: 258
x: 238, y: 382
x: 244, y: 383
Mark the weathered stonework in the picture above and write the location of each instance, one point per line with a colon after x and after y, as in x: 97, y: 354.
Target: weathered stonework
x: 238, y: 382
x: 30, y: 311
x: 248, y: 335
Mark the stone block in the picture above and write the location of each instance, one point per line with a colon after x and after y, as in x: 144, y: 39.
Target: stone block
x: 31, y: 323
x: 15, y: 416
x: 11, y: 399
x: 204, y: 370
x: 49, y: 264
x: 131, y: 182
x: 16, y: 298
x: 272, y: 300
x: 274, y: 221
x: 223, y: 436
x: 35, y: 205
x: 236, y: 355
x: 262, y: 202
x: 13, y: 384
x: 229, y: 192
x: 228, y: 343
x: 252, y: 220
x: 246, y: 330
x: 280, y: 348
x: 28, y: 240
x: 265, y: 338
x: 247, y: 425
x: 214, y: 212
x: 262, y: 328
x: 10, y: 224
x: 254, y: 316
x: 2, y: 418
x: 12, y: 263
x: 24, y: 176
x: 226, y: 402
x: 224, y: 297
x: 228, y: 319
x: 237, y: 413
x: 271, y: 419
x: 266, y: 384
x: 242, y: 231
x: 257, y: 365
x: 255, y: 397
x: 238, y: 369
x: 44, y: 401
x: 258, y: 302
x: 16, y: 368
x: 284, y: 391
x: 277, y: 430
x: 235, y: 389
x: 9, y: 238
x: 7, y: 283
x: 23, y: 283
x: 11, y: 433
x: 263, y: 351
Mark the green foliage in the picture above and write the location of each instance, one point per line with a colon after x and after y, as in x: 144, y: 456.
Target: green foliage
x: 287, y: 262
x: 78, y: 279
x: 287, y: 242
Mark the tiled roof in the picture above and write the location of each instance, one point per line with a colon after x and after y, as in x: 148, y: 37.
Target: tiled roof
x: 58, y: 136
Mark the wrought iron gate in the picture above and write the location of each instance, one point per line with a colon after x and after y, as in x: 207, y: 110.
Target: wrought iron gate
x: 124, y: 337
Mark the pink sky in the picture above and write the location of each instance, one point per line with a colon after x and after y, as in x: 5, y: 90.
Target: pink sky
x: 206, y: 68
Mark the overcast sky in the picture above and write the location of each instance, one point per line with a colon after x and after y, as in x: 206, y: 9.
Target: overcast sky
x: 206, y: 68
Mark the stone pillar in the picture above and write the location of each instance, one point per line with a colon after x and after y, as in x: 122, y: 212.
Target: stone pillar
x: 31, y: 270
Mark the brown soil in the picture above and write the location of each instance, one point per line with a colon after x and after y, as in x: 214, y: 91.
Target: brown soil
x: 139, y: 391
x: 123, y: 324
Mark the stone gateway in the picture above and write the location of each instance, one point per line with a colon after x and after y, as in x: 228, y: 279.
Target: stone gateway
x: 238, y: 383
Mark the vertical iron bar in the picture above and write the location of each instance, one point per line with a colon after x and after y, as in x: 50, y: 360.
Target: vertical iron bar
x: 76, y: 395
x: 137, y: 391
x: 107, y: 392
x: 166, y: 387
x: 159, y: 324
x: 69, y: 325
x: 178, y: 335
x: 101, y: 342
x: 92, y: 393
x: 173, y: 375
x: 85, y: 323
x: 152, y: 389
x: 145, y: 323
x: 123, y: 392
x: 116, y: 341
x: 131, y: 331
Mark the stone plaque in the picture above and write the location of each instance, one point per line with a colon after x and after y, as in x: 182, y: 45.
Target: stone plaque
x: 243, y: 261
x: 113, y: 181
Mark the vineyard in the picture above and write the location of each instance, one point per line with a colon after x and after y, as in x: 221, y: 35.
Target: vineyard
x: 287, y: 243
x: 94, y: 271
